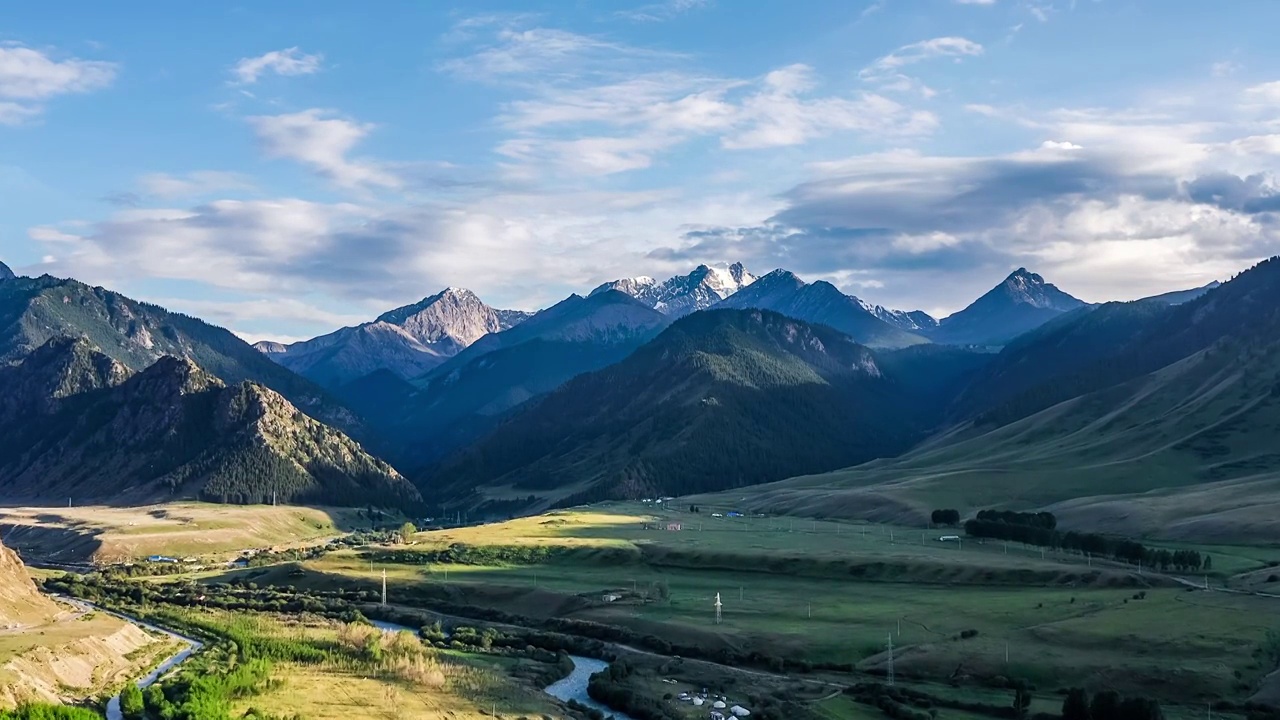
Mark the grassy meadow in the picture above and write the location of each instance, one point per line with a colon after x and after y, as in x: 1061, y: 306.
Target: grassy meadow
x: 100, y: 534
x: 834, y: 593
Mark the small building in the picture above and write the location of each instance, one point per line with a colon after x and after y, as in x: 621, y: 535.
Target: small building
x: 611, y: 597
x: 949, y: 538
x: 674, y: 527
x: 161, y: 559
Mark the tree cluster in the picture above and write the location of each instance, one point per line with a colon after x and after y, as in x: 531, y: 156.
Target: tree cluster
x: 945, y: 518
x: 1108, y: 705
x: 1040, y: 529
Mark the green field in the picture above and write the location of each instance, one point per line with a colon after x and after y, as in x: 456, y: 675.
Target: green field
x: 834, y: 593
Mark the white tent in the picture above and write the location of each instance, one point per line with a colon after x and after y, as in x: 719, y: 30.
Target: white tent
x: 698, y: 702
x: 739, y: 711
x: 719, y: 705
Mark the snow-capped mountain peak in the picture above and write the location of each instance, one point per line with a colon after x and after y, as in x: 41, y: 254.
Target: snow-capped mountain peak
x: 1024, y: 287
x: 684, y: 294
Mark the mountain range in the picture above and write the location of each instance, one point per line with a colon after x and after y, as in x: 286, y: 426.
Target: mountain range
x: 467, y: 395
x: 770, y: 386
x: 722, y: 398
x: 1141, y: 418
x: 407, y: 341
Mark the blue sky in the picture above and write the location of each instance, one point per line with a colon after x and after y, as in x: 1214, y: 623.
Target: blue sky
x: 285, y: 168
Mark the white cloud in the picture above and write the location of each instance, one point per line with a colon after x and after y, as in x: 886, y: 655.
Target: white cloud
x: 12, y: 113
x: 322, y: 142
x: 29, y: 76
x: 975, y: 2
x: 1059, y: 145
x: 777, y: 115
x: 611, y: 127
x: 1266, y: 93
x: 287, y: 62
x: 548, y: 52
x: 662, y: 11
x: 201, y: 182
x: 953, y: 47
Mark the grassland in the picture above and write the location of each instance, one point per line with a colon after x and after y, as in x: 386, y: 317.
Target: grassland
x: 117, y: 534
x: 833, y: 593
x: 1185, y: 453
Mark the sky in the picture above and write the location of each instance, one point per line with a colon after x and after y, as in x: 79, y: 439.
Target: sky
x: 286, y: 168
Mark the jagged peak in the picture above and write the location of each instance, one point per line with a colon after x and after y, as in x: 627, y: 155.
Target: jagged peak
x: 175, y: 375
x: 6, y: 273
x: 453, y: 294
x: 780, y: 274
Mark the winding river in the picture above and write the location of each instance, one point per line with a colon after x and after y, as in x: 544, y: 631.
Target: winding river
x: 192, y: 645
x: 574, y: 687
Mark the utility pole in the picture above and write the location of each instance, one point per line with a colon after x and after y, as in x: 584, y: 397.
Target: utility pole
x: 384, y: 587
x: 891, y: 660
x: 739, y: 593
x: 810, y: 611
x: 1006, y: 652
x: 899, y: 627
x: 719, y: 606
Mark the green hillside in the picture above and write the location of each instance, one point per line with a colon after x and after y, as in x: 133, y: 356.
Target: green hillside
x: 77, y: 424
x: 721, y: 399
x: 1185, y: 450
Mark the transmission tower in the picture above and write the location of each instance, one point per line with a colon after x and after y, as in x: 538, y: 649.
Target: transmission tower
x: 890, y: 659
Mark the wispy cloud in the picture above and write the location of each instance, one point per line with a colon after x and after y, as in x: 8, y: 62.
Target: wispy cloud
x: 887, y: 71
x: 28, y: 77
x: 662, y: 11
x: 200, y: 182
x: 287, y: 62
x: 953, y: 47
x: 627, y: 105
x: 322, y: 141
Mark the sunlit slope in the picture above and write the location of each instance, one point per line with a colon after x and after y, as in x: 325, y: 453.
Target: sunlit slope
x: 1189, y: 437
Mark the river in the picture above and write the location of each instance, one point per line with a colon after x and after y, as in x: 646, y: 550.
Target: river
x: 574, y: 687
x: 192, y: 645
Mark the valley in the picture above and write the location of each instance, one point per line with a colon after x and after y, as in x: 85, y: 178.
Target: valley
x: 809, y: 609
x: 498, y: 474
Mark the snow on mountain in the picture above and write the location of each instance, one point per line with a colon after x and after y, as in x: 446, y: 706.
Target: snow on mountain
x: 821, y: 302
x: 408, y: 340
x: 684, y: 294
x: 909, y: 320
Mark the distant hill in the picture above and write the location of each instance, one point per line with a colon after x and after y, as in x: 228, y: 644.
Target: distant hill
x: 76, y: 423
x: 136, y: 334
x: 722, y: 398
x: 5, y: 272
x: 467, y: 395
x: 1136, y: 418
x: 822, y: 303
x: 1023, y: 302
x: 407, y: 341
x: 1179, y: 297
